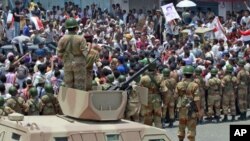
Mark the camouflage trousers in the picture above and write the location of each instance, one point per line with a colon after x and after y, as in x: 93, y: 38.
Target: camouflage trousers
x: 133, y: 111
x: 214, y: 101
x: 187, y: 122
x: 89, y: 78
x: 203, y: 102
x: 152, y: 112
x: 75, y: 73
x: 228, y: 103
x: 168, y: 104
x: 242, y: 99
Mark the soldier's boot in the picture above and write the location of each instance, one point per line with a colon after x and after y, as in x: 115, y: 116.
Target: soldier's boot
x: 233, y: 118
x: 171, y: 123
x: 163, y: 123
x: 217, y: 118
x: 225, y: 119
x: 241, y: 116
x: 181, y: 139
x: 245, y: 116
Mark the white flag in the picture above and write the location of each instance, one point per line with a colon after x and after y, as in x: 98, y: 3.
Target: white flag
x: 218, y: 29
x: 170, y: 12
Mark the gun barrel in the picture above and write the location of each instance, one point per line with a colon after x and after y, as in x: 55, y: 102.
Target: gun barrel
x: 125, y: 84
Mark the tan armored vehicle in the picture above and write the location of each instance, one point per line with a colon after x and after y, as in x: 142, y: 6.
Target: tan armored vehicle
x: 88, y: 116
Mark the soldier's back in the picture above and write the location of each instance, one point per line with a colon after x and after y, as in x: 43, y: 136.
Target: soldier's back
x: 48, y: 107
x: 13, y: 104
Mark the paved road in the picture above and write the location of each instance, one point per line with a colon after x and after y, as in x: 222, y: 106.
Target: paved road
x: 208, y: 132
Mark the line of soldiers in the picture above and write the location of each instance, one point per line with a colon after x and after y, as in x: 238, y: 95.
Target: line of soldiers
x: 191, y: 99
x: 45, y: 105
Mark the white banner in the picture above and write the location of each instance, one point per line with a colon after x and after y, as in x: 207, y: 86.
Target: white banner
x: 170, y: 12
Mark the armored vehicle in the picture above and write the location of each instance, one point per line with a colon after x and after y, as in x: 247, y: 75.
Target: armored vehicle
x: 87, y: 116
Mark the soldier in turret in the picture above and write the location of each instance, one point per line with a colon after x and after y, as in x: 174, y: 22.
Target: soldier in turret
x: 152, y: 113
x: 243, y: 83
x: 167, y: 88
x: 229, y: 85
x: 49, y: 102
x: 214, y: 96
x: 34, y: 104
x: 73, y: 50
x: 188, y: 104
x: 15, y: 103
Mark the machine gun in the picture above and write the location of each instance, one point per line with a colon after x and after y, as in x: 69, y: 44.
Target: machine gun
x: 191, y: 107
x: 125, y: 85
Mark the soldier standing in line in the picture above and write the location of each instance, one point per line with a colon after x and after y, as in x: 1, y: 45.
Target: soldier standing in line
x: 134, y: 103
x: 229, y: 85
x: 34, y: 103
x: 152, y: 112
x: 200, y: 81
x: 73, y: 50
x: 49, y: 102
x: 188, y: 104
x: 108, y: 84
x: 214, y: 96
x: 243, y: 83
x: 167, y: 88
x: 15, y: 104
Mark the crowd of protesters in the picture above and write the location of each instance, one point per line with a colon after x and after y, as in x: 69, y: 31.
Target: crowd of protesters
x: 128, y: 39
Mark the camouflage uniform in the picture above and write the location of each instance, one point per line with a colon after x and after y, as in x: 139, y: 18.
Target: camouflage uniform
x: 73, y: 50
x: 134, y: 105
x: 187, y: 91
x: 2, y: 111
x: 108, y: 84
x: 229, y: 84
x: 49, y: 102
x: 167, y: 89
x: 152, y: 112
x: 201, y: 83
x: 92, y: 57
x: 243, y: 83
x: 33, y: 104
x: 214, y: 95
x: 15, y: 104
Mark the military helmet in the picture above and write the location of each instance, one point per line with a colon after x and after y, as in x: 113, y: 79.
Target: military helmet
x: 166, y: 72
x: 241, y: 62
x: 12, y: 91
x: 122, y: 78
x: 229, y: 69
x: 94, y: 83
x: 48, y: 88
x: 152, y: 65
x: 1, y: 101
x: 198, y: 71
x: 188, y: 70
x: 214, y: 71
x: 110, y: 78
x: 33, y: 92
x: 71, y: 23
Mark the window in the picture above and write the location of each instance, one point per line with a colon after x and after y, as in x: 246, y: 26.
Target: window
x: 15, y: 137
x: 113, y: 137
x: 61, y: 138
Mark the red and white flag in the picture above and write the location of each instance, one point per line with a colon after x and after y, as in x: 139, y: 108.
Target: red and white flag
x: 245, y: 35
x: 10, y: 20
x: 218, y: 29
x: 38, y: 23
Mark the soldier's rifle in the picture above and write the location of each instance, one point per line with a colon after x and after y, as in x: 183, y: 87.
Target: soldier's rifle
x: 125, y: 85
